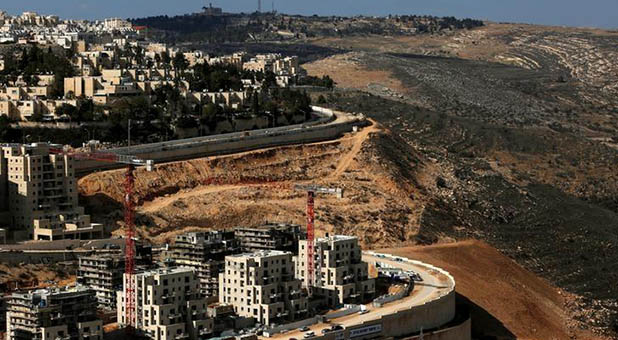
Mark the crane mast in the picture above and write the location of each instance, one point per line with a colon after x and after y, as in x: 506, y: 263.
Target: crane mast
x: 129, y: 269
x: 129, y: 218
x: 310, y: 237
x: 311, y: 192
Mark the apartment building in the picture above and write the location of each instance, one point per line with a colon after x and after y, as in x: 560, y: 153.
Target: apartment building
x: 23, y: 110
x: 236, y: 59
x: 116, y: 23
x: 340, y: 274
x: 205, y: 252
x: 169, y: 305
x: 118, y: 83
x: 270, y: 236
x: 262, y: 286
x: 16, y: 93
x: 40, y: 193
x: 273, y: 62
x: 103, y: 274
x: 67, y: 313
x: 227, y: 99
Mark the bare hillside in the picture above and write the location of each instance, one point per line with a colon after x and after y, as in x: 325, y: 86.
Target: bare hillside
x: 382, y: 203
x: 507, y: 301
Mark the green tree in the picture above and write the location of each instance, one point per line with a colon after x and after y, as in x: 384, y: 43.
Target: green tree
x: 180, y: 63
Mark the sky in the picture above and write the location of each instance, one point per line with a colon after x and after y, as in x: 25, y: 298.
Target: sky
x: 583, y: 13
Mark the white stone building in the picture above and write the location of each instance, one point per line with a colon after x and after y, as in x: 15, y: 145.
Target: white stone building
x: 340, y: 275
x: 262, y: 286
x: 168, y: 305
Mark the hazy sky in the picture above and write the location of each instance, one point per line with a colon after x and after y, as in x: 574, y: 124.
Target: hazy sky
x: 591, y: 13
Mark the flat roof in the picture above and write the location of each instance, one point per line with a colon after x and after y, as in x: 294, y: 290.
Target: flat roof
x: 337, y: 238
x: 262, y: 254
x: 164, y: 271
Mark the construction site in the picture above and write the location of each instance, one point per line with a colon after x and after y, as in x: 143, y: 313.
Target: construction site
x: 259, y: 279
x: 215, y: 268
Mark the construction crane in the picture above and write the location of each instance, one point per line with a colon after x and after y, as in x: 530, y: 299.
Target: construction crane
x: 312, y: 190
x: 129, y: 217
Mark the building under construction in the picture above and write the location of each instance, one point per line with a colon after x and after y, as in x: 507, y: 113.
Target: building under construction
x: 68, y: 314
x: 169, y: 305
x: 103, y: 274
x: 342, y: 277
x: 205, y: 252
x: 271, y: 236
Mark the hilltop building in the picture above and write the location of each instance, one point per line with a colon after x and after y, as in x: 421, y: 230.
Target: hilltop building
x: 262, y: 286
x: 205, y: 252
x: 340, y: 276
x: 39, y: 192
x: 68, y: 313
x: 169, y: 305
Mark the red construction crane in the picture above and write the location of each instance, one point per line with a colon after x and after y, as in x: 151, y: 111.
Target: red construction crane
x: 311, y: 191
x: 129, y: 218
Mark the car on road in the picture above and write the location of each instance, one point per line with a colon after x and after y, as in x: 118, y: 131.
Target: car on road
x: 304, y: 329
x: 364, y: 311
x: 325, y: 330
x: 309, y: 335
x: 336, y: 328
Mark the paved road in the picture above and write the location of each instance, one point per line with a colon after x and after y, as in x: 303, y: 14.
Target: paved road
x: 434, y: 284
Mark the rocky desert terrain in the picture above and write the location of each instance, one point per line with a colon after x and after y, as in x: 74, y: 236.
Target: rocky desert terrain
x: 505, y: 134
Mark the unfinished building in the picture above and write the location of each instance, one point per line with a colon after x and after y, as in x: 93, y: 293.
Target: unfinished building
x: 340, y: 275
x: 270, y: 236
x: 169, y: 305
x: 262, y: 286
x: 68, y: 313
x: 40, y: 195
x: 205, y: 252
x: 103, y: 274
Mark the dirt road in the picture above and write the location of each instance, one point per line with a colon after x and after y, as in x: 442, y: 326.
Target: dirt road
x: 359, y: 139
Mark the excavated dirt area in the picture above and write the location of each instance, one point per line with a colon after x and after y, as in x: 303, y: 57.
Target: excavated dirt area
x: 507, y: 301
x: 380, y: 205
x: 33, y: 275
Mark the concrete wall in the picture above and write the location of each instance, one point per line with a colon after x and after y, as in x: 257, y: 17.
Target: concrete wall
x: 290, y: 326
x: 462, y: 331
x: 40, y: 257
x: 431, y: 315
x: 320, y: 130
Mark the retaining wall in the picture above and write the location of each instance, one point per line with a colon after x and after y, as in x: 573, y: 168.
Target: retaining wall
x: 325, y: 128
x: 433, y: 314
x: 291, y: 326
x: 463, y: 331
x: 16, y: 258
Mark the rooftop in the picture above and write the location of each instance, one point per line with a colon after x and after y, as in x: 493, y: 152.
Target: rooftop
x: 262, y: 254
x: 165, y: 271
x: 331, y: 238
x: 43, y: 293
